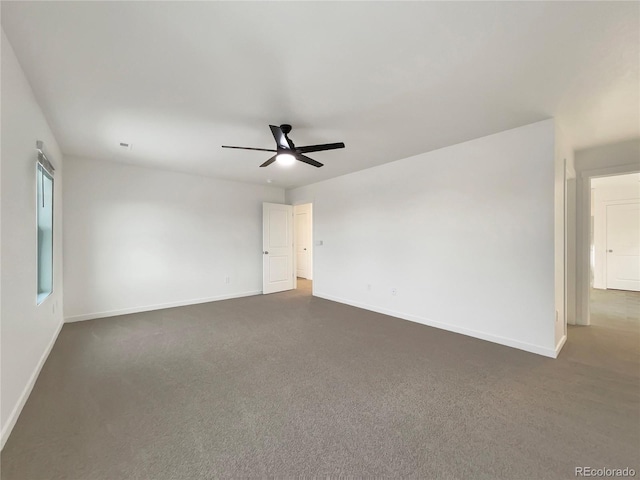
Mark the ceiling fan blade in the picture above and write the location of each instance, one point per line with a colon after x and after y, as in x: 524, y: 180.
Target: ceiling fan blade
x: 281, y: 139
x: 319, y: 148
x: 269, y: 162
x: 308, y: 160
x: 251, y: 148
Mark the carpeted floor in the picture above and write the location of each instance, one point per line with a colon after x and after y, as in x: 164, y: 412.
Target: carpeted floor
x: 290, y: 385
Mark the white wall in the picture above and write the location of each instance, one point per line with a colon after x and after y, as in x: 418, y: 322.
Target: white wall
x: 612, y: 159
x: 563, y: 169
x: 465, y: 234
x: 138, y: 239
x: 27, y: 330
x: 609, y: 156
x: 603, y: 196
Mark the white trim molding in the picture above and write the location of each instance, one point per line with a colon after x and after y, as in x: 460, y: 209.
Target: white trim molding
x: 560, y: 344
x: 528, y: 347
x: 159, y: 306
x: 24, y: 396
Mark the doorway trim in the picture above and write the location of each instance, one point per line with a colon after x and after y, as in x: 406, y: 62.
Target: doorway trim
x: 583, y: 237
x: 297, y: 209
x: 312, y: 241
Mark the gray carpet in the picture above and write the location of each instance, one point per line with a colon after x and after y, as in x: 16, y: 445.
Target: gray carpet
x: 291, y: 385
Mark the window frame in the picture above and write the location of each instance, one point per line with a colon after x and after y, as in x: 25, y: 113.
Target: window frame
x: 42, y: 170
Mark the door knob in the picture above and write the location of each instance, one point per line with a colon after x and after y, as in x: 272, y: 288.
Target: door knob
x: 305, y: 248
x: 266, y: 252
x: 610, y: 251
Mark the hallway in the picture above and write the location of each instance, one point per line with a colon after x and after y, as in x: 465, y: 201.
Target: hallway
x: 613, y: 338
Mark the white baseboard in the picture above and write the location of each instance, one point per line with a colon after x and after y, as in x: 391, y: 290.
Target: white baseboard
x: 561, y: 343
x: 159, y: 306
x: 528, y: 347
x: 22, y: 400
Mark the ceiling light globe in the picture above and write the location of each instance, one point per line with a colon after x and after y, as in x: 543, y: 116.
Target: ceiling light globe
x: 285, y: 159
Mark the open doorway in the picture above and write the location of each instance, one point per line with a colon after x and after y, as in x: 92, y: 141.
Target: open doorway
x: 614, y: 253
x: 303, y: 241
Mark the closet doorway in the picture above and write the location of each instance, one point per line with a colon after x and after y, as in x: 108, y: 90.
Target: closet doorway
x: 303, y: 241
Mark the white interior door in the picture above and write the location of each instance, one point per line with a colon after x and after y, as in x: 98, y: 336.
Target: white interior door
x: 623, y: 246
x: 302, y: 216
x: 277, y: 247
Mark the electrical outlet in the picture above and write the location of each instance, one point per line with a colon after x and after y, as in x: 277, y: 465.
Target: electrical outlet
x: 394, y: 291
x: 227, y: 279
x: 368, y: 287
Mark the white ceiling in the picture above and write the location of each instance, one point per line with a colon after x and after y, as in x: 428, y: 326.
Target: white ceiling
x: 391, y: 80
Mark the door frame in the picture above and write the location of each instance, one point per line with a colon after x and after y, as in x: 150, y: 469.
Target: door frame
x: 313, y: 245
x: 583, y: 235
x: 295, y: 241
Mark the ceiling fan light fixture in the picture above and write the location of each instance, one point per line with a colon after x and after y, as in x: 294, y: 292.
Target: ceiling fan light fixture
x: 285, y: 145
x: 285, y: 159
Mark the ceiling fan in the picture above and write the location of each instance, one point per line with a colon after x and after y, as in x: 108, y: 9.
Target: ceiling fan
x: 286, y: 152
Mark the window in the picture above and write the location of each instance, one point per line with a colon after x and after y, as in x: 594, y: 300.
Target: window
x: 44, y: 209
